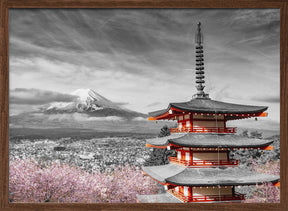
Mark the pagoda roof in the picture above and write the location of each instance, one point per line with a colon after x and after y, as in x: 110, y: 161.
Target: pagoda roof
x: 206, y: 105
x: 158, y: 198
x: 179, y: 175
x: 209, y: 140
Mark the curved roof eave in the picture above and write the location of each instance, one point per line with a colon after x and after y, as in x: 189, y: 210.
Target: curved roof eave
x: 158, y: 198
x: 209, y: 140
x: 159, y: 112
x: 178, y: 175
x: 163, y: 141
x: 220, y: 176
x: 218, y: 111
x: 222, y: 145
x: 224, y: 183
x: 211, y: 106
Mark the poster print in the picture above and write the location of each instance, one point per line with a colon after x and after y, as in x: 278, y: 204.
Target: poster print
x: 98, y: 96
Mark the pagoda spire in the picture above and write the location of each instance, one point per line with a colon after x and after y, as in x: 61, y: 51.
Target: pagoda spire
x: 200, y: 64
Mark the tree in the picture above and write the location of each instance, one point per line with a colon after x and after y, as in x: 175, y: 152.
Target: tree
x: 245, y: 133
x: 160, y: 156
x: 165, y: 131
x: 267, y: 192
x: 256, y: 134
x: 29, y: 182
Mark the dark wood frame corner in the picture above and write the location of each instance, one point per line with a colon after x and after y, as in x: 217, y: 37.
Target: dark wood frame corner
x: 4, y: 94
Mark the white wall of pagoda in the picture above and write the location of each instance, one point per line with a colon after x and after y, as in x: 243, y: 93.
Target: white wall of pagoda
x: 184, y: 190
x: 185, y: 154
x: 202, y: 191
x: 210, y: 156
x: 203, y: 121
x: 206, y: 124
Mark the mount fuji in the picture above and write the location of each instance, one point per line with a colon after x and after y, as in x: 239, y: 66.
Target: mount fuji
x: 85, y: 109
x: 90, y: 102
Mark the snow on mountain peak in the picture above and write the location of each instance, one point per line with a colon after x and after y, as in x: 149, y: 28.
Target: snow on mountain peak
x: 83, y: 94
x: 89, y: 94
x: 88, y: 98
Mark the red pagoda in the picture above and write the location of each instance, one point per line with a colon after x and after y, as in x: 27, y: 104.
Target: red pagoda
x: 202, y: 170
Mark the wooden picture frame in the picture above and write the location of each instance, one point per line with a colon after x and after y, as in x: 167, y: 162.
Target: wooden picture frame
x: 5, y: 5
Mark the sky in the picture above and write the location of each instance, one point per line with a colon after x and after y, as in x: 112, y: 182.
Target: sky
x: 143, y: 58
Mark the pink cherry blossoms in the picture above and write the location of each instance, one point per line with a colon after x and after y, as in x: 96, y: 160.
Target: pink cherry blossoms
x: 30, y: 181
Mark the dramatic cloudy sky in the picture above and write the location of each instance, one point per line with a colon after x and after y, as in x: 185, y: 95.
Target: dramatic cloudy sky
x: 143, y: 58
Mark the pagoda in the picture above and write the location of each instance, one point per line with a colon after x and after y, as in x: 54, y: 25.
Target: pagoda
x: 202, y: 171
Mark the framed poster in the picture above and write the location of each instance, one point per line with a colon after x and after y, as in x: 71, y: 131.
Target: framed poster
x: 80, y: 78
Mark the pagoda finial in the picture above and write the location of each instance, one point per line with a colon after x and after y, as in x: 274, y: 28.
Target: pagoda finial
x: 199, y: 35
x: 200, y: 64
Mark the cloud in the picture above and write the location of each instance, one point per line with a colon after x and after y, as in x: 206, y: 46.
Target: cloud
x: 107, y: 118
x: 268, y: 99
x: 141, y: 56
x: 139, y: 119
x: 255, y: 18
x: 79, y: 117
x: 38, y: 97
x: 121, y: 103
x: 153, y: 104
x: 260, y: 124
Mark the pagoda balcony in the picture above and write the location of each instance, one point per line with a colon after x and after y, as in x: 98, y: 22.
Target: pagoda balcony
x: 203, y: 163
x: 207, y: 198
x: 204, y: 130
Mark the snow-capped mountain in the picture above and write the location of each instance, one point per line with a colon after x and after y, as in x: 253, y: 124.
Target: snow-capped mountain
x: 90, y: 102
x: 89, y: 99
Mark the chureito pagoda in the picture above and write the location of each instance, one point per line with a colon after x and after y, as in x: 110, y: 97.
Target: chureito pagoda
x: 202, y: 170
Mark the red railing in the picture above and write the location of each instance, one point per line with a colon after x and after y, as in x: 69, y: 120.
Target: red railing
x: 236, y: 196
x: 207, y: 198
x: 200, y: 163
x: 204, y: 130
